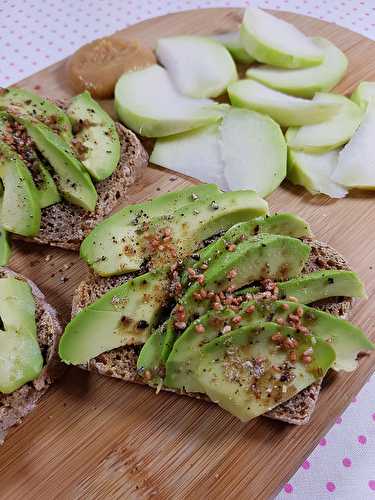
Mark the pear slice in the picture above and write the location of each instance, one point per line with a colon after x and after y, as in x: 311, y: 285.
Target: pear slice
x: 305, y: 82
x: 253, y: 150
x: 148, y: 103
x: 232, y: 42
x: 198, y: 66
x: 313, y: 172
x: 356, y: 163
x: 273, y: 41
x: 363, y: 94
x: 185, y: 152
x: 287, y: 110
x: 330, y: 134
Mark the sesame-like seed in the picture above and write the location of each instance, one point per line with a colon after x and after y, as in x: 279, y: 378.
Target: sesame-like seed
x: 200, y: 328
x: 250, y: 309
x: 285, y: 306
x: 280, y: 321
x: 291, y: 298
x: 232, y: 274
x: 231, y: 248
x: 227, y: 329
x: 217, y: 306
x: 147, y: 375
x: 180, y: 325
x: 237, y: 319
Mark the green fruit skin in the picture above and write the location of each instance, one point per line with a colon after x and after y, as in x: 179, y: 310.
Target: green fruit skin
x: 102, y: 249
x: 26, y: 102
x: 100, y: 137
x: 225, y: 371
x: 5, y: 247
x: 20, y: 209
x: 363, y: 94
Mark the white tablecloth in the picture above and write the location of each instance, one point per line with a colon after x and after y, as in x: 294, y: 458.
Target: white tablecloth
x: 36, y: 33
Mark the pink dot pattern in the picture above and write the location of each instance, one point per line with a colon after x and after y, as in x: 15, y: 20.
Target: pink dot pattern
x: 35, y: 34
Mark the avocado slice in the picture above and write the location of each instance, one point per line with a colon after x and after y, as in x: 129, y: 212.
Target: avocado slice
x: 26, y: 102
x: 19, y: 205
x: 48, y: 193
x: 73, y: 181
x: 265, y: 256
x: 286, y: 224
x: 20, y: 357
x: 244, y: 374
x: 148, y: 363
x: 97, y: 134
x: 5, y: 247
x: 105, y: 250
x: 124, y: 315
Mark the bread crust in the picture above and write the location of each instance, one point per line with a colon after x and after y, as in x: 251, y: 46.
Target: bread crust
x: 121, y: 363
x: 65, y: 226
x: 15, y: 406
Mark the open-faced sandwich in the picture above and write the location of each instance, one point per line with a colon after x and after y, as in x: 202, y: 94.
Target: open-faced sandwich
x: 29, y: 336
x: 62, y: 168
x: 204, y: 293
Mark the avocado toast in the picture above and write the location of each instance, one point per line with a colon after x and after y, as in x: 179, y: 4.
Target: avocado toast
x: 74, y: 166
x: 186, y: 307
x: 40, y: 362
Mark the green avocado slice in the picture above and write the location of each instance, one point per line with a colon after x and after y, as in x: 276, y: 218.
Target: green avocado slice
x: 20, y: 209
x: 20, y: 357
x: 104, y: 248
x: 286, y: 224
x: 124, y: 315
x: 73, y: 181
x: 245, y: 374
x: 26, y: 102
x: 48, y: 193
x: 148, y: 363
x: 97, y: 132
x: 5, y: 247
x: 265, y: 256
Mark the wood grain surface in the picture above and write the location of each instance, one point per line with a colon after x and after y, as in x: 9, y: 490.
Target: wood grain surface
x: 95, y: 437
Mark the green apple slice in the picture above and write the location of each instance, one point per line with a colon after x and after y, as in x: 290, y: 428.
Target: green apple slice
x: 198, y: 66
x: 305, y: 82
x: 287, y: 110
x: 233, y: 43
x: 273, y: 41
x: 356, y: 163
x: 313, y: 172
x: 184, y: 153
x: 363, y: 94
x: 148, y: 103
x: 253, y: 150
x: 330, y: 134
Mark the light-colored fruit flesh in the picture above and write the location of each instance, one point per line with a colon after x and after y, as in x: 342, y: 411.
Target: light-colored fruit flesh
x: 286, y: 110
x: 253, y: 150
x: 99, y: 136
x: 48, y: 193
x: 232, y: 42
x: 356, y: 164
x: 148, y: 103
x: 274, y: 41
x: 307, y: 81
x: 313, y: 172
x: 237, y: 371
x: 330, y: 134
x: 364, y: 94
x: 17, y: 306
x: 198, y: 66
x: 5, y: 248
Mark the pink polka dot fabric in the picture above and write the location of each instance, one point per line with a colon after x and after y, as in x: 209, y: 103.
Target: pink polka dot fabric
x: 36, y: 33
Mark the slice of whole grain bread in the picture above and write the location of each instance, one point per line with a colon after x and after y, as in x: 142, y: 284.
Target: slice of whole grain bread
x: 64, y: 225
x: 15, y: 406
x: 122, y: 362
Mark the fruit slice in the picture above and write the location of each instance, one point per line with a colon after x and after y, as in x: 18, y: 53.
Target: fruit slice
x: 313, y: 171
x: 5, y: 248
x: 244, y: 374
x: 356, y: 165
x: 274, y: 41
x: 198, y: 66
x: 104, y: 248
x: 363, y: 94
x: 48, y: 193
x: 184, y: 152
x: 17, y: 306
x: 148, y: 362
x: 44, y: 110
x: 253, y: 150
x: 305, y: 82
x: 124, y: 315
x: 330, y: 134
x: 20, y: 209
x: 96, y: 134
x: 148, y: 103
x: 286, y: 110
x: 232, y: 42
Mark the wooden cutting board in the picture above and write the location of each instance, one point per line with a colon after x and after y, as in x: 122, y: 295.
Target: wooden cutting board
x: 95, y: 437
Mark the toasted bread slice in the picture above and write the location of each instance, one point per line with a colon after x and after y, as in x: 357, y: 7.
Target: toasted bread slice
x: 15, y: 406
x: 122, y: 362
x: 64, y: 225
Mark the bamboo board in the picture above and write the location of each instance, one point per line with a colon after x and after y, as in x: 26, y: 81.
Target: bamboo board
x: 94, y: 437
